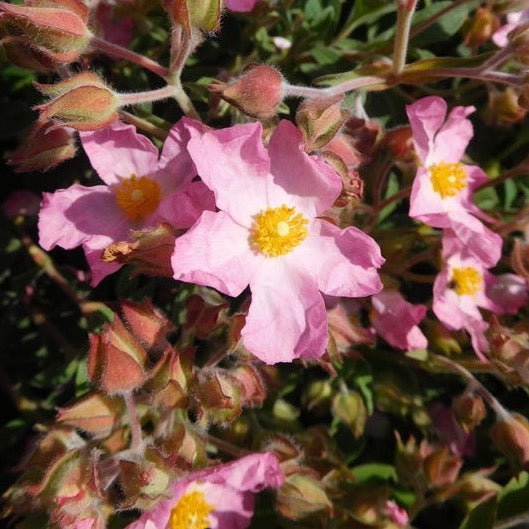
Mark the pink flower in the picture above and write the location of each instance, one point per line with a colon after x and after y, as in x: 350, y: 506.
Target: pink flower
x: 114, y: 28
x: 139, y: 191
x: 443, y: 187
x: 461, y: 442
x: 221, y: 497
x: 396, y: 320
x: 500, y: 37
x: 243, y: 6
x: 267, y: 234
x: 397, y: 514
x: 460, y: 289
x: 509, y: 292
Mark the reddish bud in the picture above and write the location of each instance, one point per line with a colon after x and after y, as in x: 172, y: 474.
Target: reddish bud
x: 442, y: 467
x: 202, y: 317
x: 116, y: 360
x: 399, y: 141
x: 82, y: 102
x: 96, y: 414
x: 320, y: 119
x: 148, y: 324
x: 57, y: 30
x: 257, y: 92
x: 253, y: 389
x: 511, y: 435
x: 503, y: 108
x: 481, y: 27
x: 203, y: 14
x: 470, y: 410
x: 149, y: 253
x: 44, y: 146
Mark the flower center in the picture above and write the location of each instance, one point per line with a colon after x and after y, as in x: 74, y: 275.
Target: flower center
x: 277, y: 231
x: 448, y: 178
x: 467, y: 280
x: 191, y: 511
x: 137, y: 197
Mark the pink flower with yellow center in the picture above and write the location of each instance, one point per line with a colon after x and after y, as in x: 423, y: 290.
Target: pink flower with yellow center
x: 268, y: 235
x: 460, y: 289
x: 141, y: 188
x: 220, y: 497
x: 442, y: 190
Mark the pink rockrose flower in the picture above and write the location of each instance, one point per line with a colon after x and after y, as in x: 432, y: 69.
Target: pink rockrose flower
x: 220, y: 497
x: 268, y: 235
x: 140, y: 190
x: 114, y: 28
x: 442, y: 191
x: 395, y: 319
x: 242, y: 6
x: 460, y: 289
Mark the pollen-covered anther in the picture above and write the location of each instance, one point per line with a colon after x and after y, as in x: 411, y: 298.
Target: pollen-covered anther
x: 191, y: 511
x: 137, y: 197
x: 277, y: 231
x: 467, y: 280
x: 448, y: 179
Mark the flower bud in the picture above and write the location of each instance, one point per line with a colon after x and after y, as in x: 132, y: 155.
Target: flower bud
x: 82, y: 102
x: 349, y: 407
x: 511, y: 435
x: 203, y: 14
x: 503, y: 108
x: 55, y: 29
x: 470, y: 410
x: 319, y: 119
x: 481, y: 27
x: 257, y: 92
x: 519, y: 40
x: 300, y: 496
x: 442, y: 467
x: 43, y: 147
x: 116, y: 360
x: 399, y: 141
x: 203, y: 317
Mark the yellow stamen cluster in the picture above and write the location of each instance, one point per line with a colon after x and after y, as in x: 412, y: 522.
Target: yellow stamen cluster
x: 277, y: 231
x: 467, y: 280
x: 191, y: 511
x: 448, y: 179
x: 137, y: 197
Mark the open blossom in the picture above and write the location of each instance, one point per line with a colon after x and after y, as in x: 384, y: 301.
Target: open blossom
x: 221, y: 497
x: 396, y: 320
x: 442, y: 190
x: 267, y: 235
x: 140, y: 190
x: 460, y: 289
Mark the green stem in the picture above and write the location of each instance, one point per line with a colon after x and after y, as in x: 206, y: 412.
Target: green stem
x: 143, y: 124
x: 402, y: 35
x: 342, y: 88
x: 136, y: 98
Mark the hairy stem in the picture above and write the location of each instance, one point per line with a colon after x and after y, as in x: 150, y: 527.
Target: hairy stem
x: 402, y: 34
x: 135, y: 98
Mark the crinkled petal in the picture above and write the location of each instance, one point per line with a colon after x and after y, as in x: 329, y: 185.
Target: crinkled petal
x: 182, y: 209
x: 312, y: 183
x: 234, y: 164
x: 79, y: 214
x: 287, y: 317
x: 118, y: 151
x: 341, y: 262
x: 215, y: 252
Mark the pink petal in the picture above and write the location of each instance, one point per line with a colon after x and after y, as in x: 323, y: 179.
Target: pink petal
x: 233, y: 163
x: 98, y: 268
x: 243, y: 6
x: 425, y: 204
x: 80, y: 214
x: 509, y: 293
x: 309, y: 180
x: 182, y: 209
x: 118, y: 151
x: 176, y: 168
x: 426, y: 117
x: 215, y: 252
x: 341, y: 262
x: 287, y: 317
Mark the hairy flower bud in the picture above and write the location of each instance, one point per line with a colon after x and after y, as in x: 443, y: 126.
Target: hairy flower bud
x: 82, y: 102
x: 257, y: 92
x: 203, y: 14
x: 44, y: 146
x: 503, y: 108
x: 470, y: 410
x: 56, y: 30
x: 480, y: 29
x: 511, y: 435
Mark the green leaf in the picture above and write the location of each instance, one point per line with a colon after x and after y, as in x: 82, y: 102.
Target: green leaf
x: 514, y: 498
x: 374, y: 472
x: 482, y: 517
